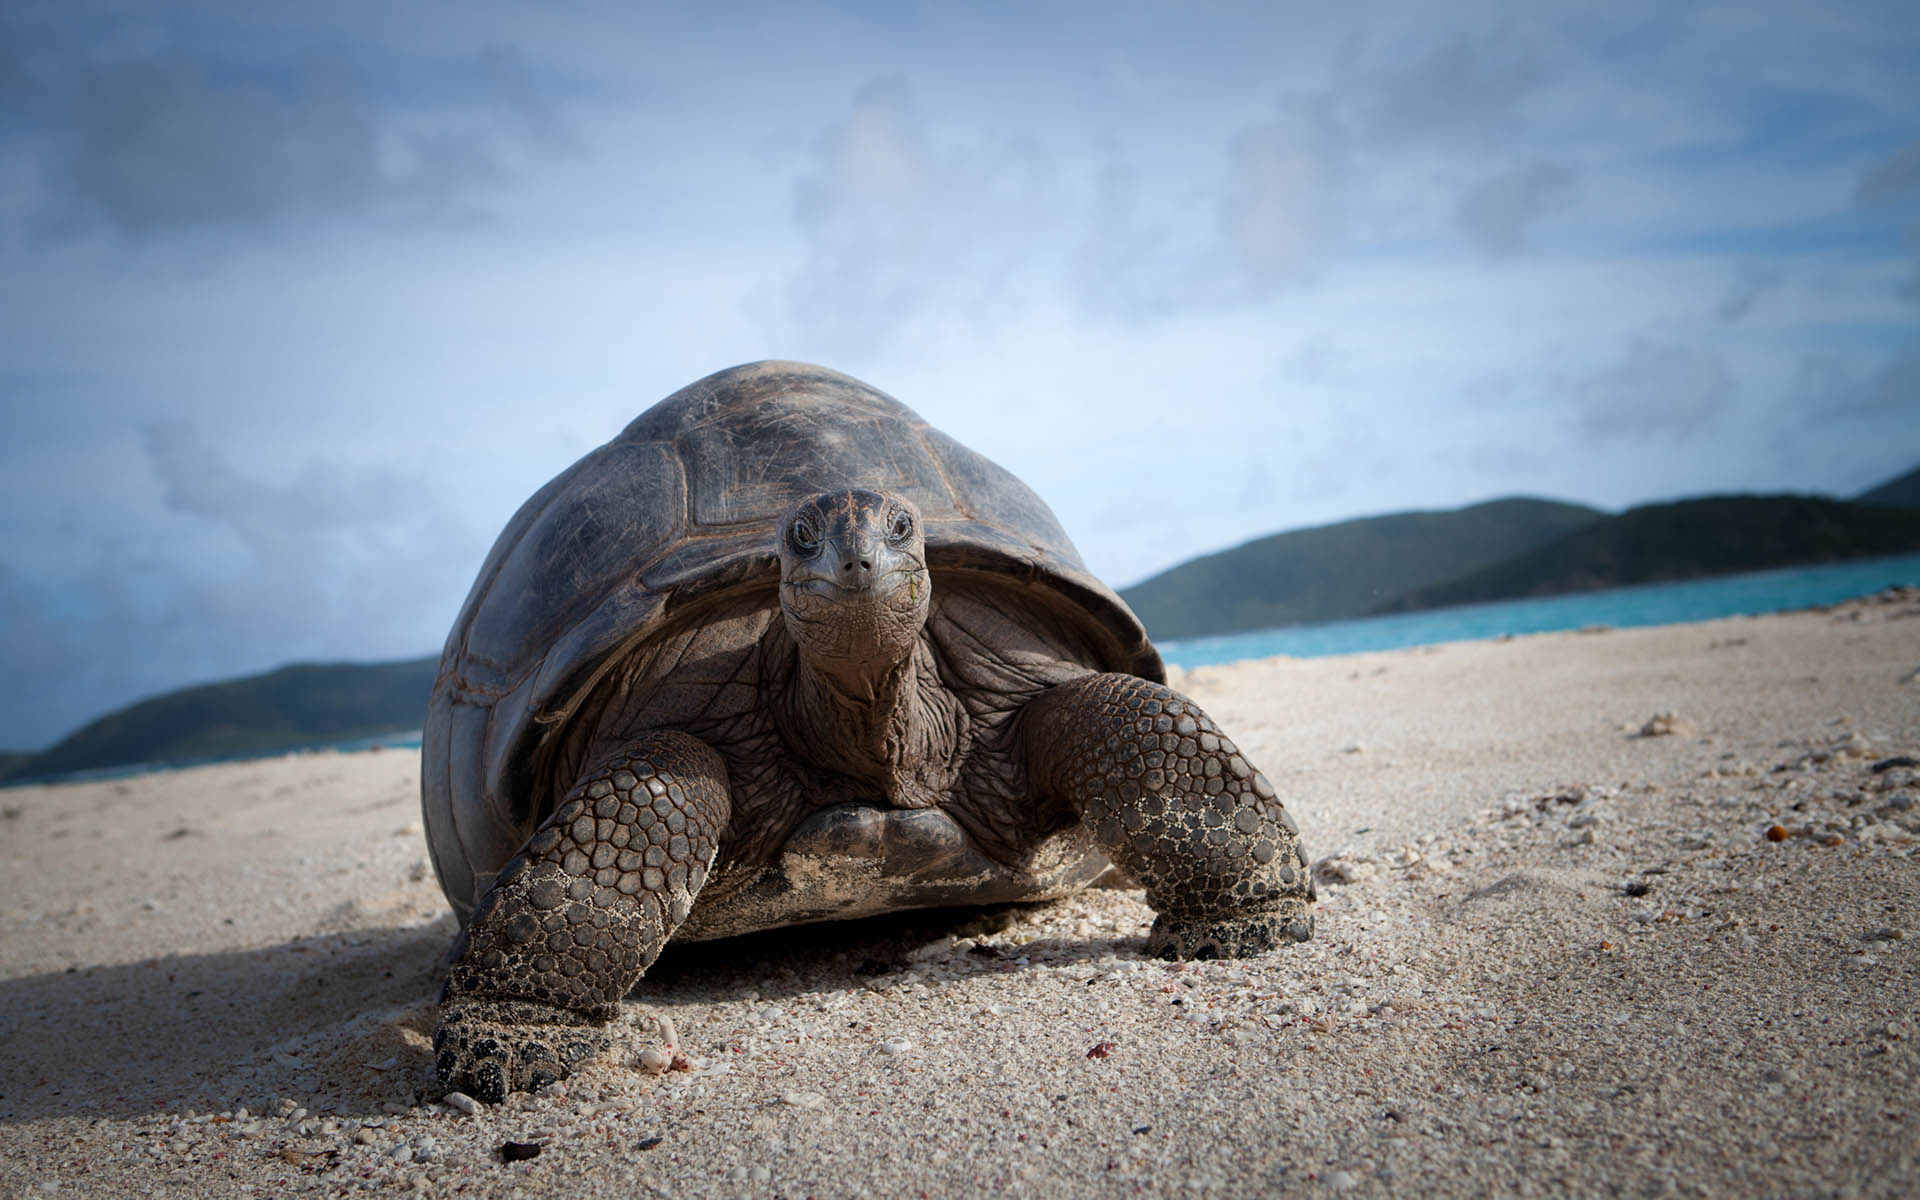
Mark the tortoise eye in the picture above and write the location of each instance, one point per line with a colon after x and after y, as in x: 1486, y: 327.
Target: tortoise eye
x: 803, y: 535
x: 901, y: 527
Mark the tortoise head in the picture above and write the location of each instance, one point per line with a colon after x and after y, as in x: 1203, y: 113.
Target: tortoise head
x: 853, y: 580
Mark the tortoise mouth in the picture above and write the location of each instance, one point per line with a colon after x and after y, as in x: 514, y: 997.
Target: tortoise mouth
x: 865, y: 590
x: 874, y: 621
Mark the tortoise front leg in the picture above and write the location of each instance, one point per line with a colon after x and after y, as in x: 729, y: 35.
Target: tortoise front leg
x: 574, y: 920
x: 1175, y: 805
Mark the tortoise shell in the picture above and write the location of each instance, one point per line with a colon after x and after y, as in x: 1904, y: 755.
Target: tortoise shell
x: 680, y: 509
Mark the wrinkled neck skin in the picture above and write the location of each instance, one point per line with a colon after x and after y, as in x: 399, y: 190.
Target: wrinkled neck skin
x: 855, y: 688
x: 867, y: 719
x: 886, y: 721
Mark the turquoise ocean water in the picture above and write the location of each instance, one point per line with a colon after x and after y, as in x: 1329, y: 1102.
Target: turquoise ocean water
x: 1655, y: 604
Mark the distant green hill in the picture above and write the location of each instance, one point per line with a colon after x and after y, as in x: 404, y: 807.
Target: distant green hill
x: 299, y: 705
x: 1687, y: 539
x: 1903, y: 492
x: 1345, y: 570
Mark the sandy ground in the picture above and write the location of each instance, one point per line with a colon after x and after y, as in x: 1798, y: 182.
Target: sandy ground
x: 1554, y: 955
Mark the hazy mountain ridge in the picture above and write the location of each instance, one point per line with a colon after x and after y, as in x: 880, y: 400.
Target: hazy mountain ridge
x: 1347, y: 569
x: 299, y: 705
x: 1902, y: 492
x: 1685, y: 539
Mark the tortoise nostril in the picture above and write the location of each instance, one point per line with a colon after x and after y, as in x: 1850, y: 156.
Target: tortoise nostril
x: 865, y: 565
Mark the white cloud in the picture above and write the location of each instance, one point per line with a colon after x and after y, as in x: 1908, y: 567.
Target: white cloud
x: 1750, y: 282
x: 1656, y: 390
x: 1829, y: 389
x: 1497, y: 212
x: 331, y: 549
x: 897, y: 229
x: 1284, y: 205
x: 1414, y: 145
x: 1463, y: 93
x: 1891, y: 179
x: 1893, y: 182
x: 234, y: 571
x: 151, y: 147
x: 164, y: 144
x: 1121, y: 248
x: 1317, y: 359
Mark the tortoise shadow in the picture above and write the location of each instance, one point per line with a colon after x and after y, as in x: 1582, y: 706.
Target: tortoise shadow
x: 341, y: 1022
x: 780, y: 964
x: 208, y: 1032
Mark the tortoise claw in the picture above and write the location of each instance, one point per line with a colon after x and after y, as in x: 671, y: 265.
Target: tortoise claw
x: 1239, y: 935
x: 489, y: 1049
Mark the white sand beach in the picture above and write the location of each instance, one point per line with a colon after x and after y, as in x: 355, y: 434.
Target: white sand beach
x: 1615, y: 912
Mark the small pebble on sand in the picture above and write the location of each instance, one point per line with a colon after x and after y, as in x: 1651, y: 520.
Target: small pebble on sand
x: 655, y: 1060
x: 461, y: 1102
x: 1667, y: 724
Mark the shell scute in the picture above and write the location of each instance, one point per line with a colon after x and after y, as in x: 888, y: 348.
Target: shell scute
x: 556, y: 573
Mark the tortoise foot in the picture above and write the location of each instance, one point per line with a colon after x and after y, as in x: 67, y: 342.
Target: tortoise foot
x: 574, y: 919
x: 489, y: 1048
x: 1239, y: 936
x: 1175, y: 805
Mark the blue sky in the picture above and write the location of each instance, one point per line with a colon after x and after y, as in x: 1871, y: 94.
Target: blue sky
x: 303, y: 300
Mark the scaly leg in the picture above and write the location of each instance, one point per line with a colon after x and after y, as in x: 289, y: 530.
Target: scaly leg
x: 1174, y: 803
x: 574, y: 920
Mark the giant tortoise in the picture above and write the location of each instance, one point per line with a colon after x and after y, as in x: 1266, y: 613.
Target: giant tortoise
x: 783, y: 652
